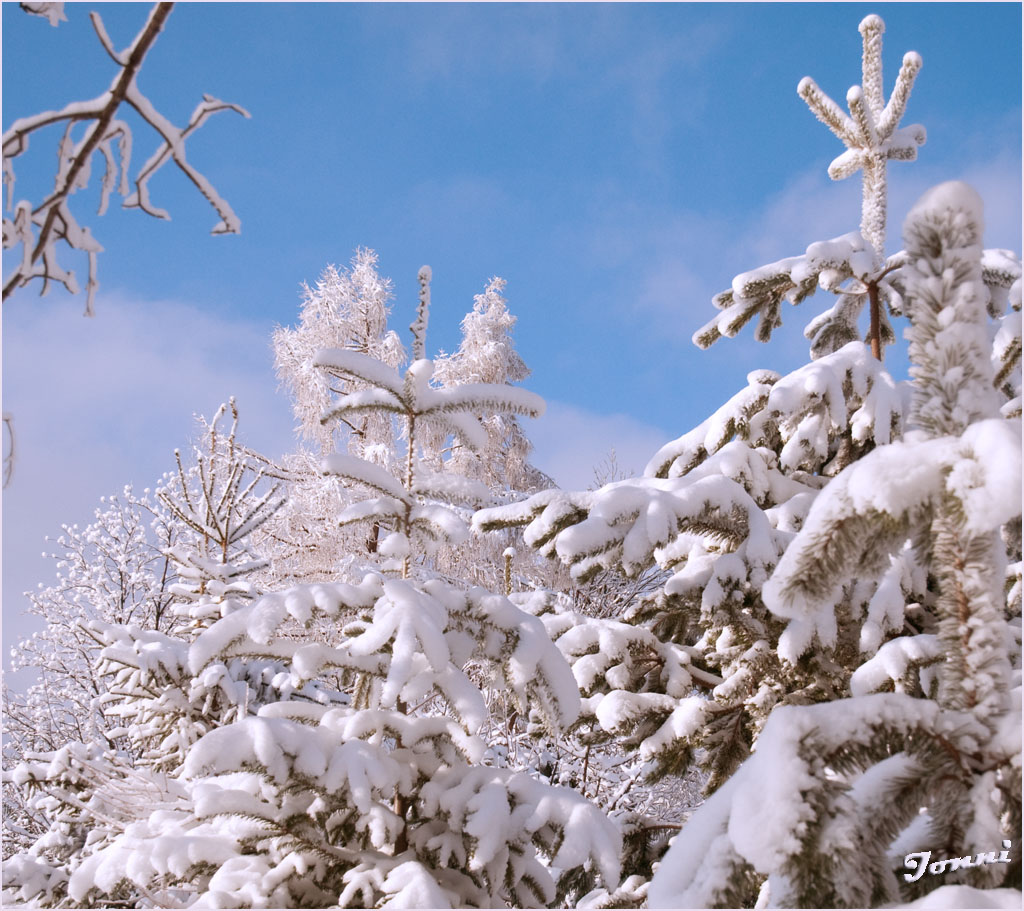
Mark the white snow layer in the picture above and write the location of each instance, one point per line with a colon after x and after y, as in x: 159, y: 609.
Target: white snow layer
x: 966, y: 897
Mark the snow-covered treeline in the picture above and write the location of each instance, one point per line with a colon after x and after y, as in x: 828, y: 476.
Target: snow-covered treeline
x: 401, y: 668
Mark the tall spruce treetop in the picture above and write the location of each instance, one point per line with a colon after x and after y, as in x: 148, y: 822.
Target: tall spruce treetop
x: 853, y: 266
x: 222, y: 498
x: 871, y: 133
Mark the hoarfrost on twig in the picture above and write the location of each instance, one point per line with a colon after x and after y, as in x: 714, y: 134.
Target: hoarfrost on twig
x: 38, y: 228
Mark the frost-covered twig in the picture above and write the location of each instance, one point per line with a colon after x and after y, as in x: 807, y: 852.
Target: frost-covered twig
x: 9, y: 455
x: 54, y: 12
x: 38, y: 228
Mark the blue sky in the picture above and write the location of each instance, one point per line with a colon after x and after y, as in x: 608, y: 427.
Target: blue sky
x: 616, y: 163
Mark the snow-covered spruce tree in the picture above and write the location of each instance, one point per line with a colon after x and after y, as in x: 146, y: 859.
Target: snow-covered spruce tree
x: 221, y: 500
x: 719, y: 506
x: 839, y: 795
x: 715, y: 511
x: 367, y: 783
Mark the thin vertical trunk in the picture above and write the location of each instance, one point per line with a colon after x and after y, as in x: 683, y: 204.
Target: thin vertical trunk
x: 875, y: 331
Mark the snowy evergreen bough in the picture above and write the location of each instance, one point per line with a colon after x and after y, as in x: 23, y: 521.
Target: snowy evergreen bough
x: 715, y: 511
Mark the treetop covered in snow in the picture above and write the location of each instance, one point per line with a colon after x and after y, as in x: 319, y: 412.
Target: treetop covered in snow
x: 854, y: 266
x: 872, y: 134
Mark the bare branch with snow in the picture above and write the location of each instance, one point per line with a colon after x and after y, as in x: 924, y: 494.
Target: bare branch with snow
x: 37, y: 228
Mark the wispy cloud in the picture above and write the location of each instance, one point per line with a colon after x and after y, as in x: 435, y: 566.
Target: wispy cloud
x: 570, y: 442
x: 617, y: 61
x: 99, y: 403
x: 676, y: 261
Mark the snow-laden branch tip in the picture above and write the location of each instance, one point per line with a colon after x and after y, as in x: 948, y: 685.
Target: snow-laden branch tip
x: 53, y: 12
x: 37, y: 228
x: 870, y: 133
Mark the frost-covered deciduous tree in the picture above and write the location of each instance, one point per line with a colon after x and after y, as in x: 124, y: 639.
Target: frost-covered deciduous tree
x: 839, y: 796
x: 114, y: 570
x: 487, y: 354
x: 347, y: 309
x: 38, y: 228
x: 221, y: 500
x: 365, y: 778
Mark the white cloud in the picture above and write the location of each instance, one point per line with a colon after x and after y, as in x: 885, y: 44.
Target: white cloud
x: 98, y: 403
x: 812, y: 207
x: 667, y: 265
x: 569, y: 442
